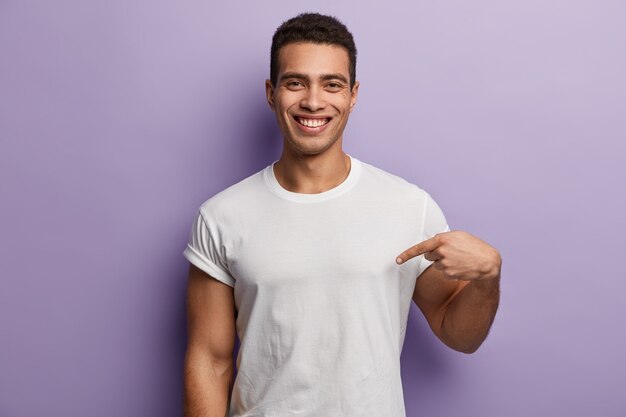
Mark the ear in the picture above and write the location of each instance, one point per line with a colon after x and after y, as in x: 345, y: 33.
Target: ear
x: 269, y: 93
x: 353, y: 94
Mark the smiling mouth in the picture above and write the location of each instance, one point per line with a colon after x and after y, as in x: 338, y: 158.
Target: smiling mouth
x: 312, y: 122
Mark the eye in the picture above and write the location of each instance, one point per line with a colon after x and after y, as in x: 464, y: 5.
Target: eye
x: 333, y: 86
x: 294, y: 84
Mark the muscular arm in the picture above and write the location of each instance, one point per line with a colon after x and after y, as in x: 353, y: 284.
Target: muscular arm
x: 459, y: 312
x: 209, y: 367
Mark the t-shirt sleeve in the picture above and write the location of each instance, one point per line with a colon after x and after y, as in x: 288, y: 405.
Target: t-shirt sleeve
x: 434, y: 222
x: 206, y: 251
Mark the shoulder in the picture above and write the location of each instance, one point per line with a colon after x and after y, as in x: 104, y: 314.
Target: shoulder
x: 391, y: 184
x: 233, y: 198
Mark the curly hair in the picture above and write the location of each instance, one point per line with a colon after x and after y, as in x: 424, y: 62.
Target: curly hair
x: 315, y: 28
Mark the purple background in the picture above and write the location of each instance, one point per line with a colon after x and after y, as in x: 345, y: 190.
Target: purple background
x: 118, y: 118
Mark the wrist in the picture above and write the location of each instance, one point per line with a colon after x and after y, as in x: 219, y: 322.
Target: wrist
x: 492, y: 270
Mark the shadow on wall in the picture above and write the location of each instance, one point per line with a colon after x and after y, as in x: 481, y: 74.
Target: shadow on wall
x: 258, y: 134
x: 173, y: 338
x: 262, y: 135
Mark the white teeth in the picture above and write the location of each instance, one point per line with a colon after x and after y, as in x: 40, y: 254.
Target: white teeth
x: 312, y: 122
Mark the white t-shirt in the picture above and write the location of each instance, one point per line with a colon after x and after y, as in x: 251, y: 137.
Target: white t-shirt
x: 322, y: 306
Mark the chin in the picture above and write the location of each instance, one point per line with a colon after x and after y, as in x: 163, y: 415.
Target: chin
x: 310, y: 149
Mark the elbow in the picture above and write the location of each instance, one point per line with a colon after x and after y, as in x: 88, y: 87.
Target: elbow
x: 217, y: 365
x: 467, y: 348
x: 463, y: 343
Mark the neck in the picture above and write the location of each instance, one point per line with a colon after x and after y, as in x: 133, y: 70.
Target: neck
x: 312, y: 174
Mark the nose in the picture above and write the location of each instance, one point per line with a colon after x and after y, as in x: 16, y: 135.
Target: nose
x: 313, y: 99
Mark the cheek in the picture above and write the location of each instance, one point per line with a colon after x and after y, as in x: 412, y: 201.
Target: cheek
x: 287, y: 100
x: 342, y: 103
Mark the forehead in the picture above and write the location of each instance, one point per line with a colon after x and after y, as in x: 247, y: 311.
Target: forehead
x: 312, y: 58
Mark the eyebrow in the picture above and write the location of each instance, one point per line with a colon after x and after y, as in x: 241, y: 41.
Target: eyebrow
x: 323, y: 77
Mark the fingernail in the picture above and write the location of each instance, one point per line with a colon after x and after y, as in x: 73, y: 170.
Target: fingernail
x: 398, y: 260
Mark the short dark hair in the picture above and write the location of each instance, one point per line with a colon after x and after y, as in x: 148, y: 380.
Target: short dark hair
x: 315, y: 28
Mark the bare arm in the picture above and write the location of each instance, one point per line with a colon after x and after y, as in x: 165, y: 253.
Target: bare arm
x: 459, y: 312
x: 460, y: 292
x: 209, y: 366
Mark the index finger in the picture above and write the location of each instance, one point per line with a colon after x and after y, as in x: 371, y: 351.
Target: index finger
x: 427, y: 245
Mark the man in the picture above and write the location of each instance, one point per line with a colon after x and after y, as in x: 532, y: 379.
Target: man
x: 313, y: 261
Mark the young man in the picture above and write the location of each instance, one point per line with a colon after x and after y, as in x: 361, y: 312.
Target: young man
x: 313, y: 261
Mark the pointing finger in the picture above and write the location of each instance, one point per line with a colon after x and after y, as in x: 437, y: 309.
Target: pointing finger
x: 428, y: 245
